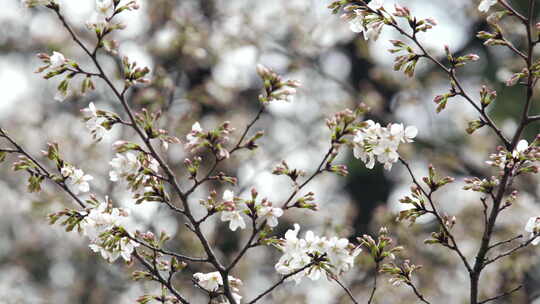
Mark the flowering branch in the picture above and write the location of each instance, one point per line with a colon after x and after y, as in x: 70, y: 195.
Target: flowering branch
x: 453, y: 245
x: 40, y: 169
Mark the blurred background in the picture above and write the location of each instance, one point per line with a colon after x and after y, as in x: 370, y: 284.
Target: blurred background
x: 203, y: 56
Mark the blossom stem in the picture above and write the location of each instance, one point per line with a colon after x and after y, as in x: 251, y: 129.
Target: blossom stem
x: 375, y: 275
x: 348, y: 291
x: 285, y: 277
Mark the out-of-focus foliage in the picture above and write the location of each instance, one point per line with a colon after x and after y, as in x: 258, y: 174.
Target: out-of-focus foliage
x: 203, y: 56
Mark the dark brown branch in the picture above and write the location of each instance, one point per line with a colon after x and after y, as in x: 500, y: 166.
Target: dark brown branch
x: 157, y: 276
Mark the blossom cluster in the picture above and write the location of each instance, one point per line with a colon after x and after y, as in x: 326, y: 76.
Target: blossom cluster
x: 215, y: 139
x: 232, y: 211
x: 319, y: 256
x: 76, y: 180
x: 103, y: 226
x: 213, y: 280
x: 374, y: 142
x: 523, y: 156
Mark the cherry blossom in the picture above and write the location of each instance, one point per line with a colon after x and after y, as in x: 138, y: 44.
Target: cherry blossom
x: 124, y: 165
x: 193, y: 138
x: 375, y: 142
x: 57, y: 60
x: 521, y: 147
x: 104, y: 6
x: 533, y: 227
x: 231, y: 214
x: 485, y: 5
x: 94, y: 122
x: 76, y: 180
x: 335, y: 253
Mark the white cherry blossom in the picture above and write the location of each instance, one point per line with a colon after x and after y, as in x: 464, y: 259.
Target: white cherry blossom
x: 104, y: 6
x: 298, y: 253
x: 124, y: 165
x: 485, y: 5
x: 374, y: 142
x: 533, y: 227
x: 57, y: 60
x: 209, y: 281
x: 94, y: 122
x: 193, y: 139
x: 76, y: 180
x: 521, y: 147
x: 271, y: 214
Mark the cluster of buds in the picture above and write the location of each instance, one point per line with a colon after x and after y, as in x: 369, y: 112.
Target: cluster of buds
x: 149, y: 121
x: 481, y: 185
x: 522, y: 159
x: 134, y: 74
x: 193, y: 165
x: 306, y: 202
x: 400, y: 273
x: 487, y: 96
x: 346, y: 123
x: 275, y: 88
x: 459, y: 61
x: 381, y: 248
x: 418, y: 203
x: 283, y: 169
x: 442, y: 100
x: 214, y: 139
x: 406, y: 63
x: 35, y: 177
x: 366, y: 19
x: 434, y: 182
x: 442, y: 237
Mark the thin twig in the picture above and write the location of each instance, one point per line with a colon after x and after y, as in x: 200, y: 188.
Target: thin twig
x: 507, y: 293
x: 285, y: 277
x: 347, y: 290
